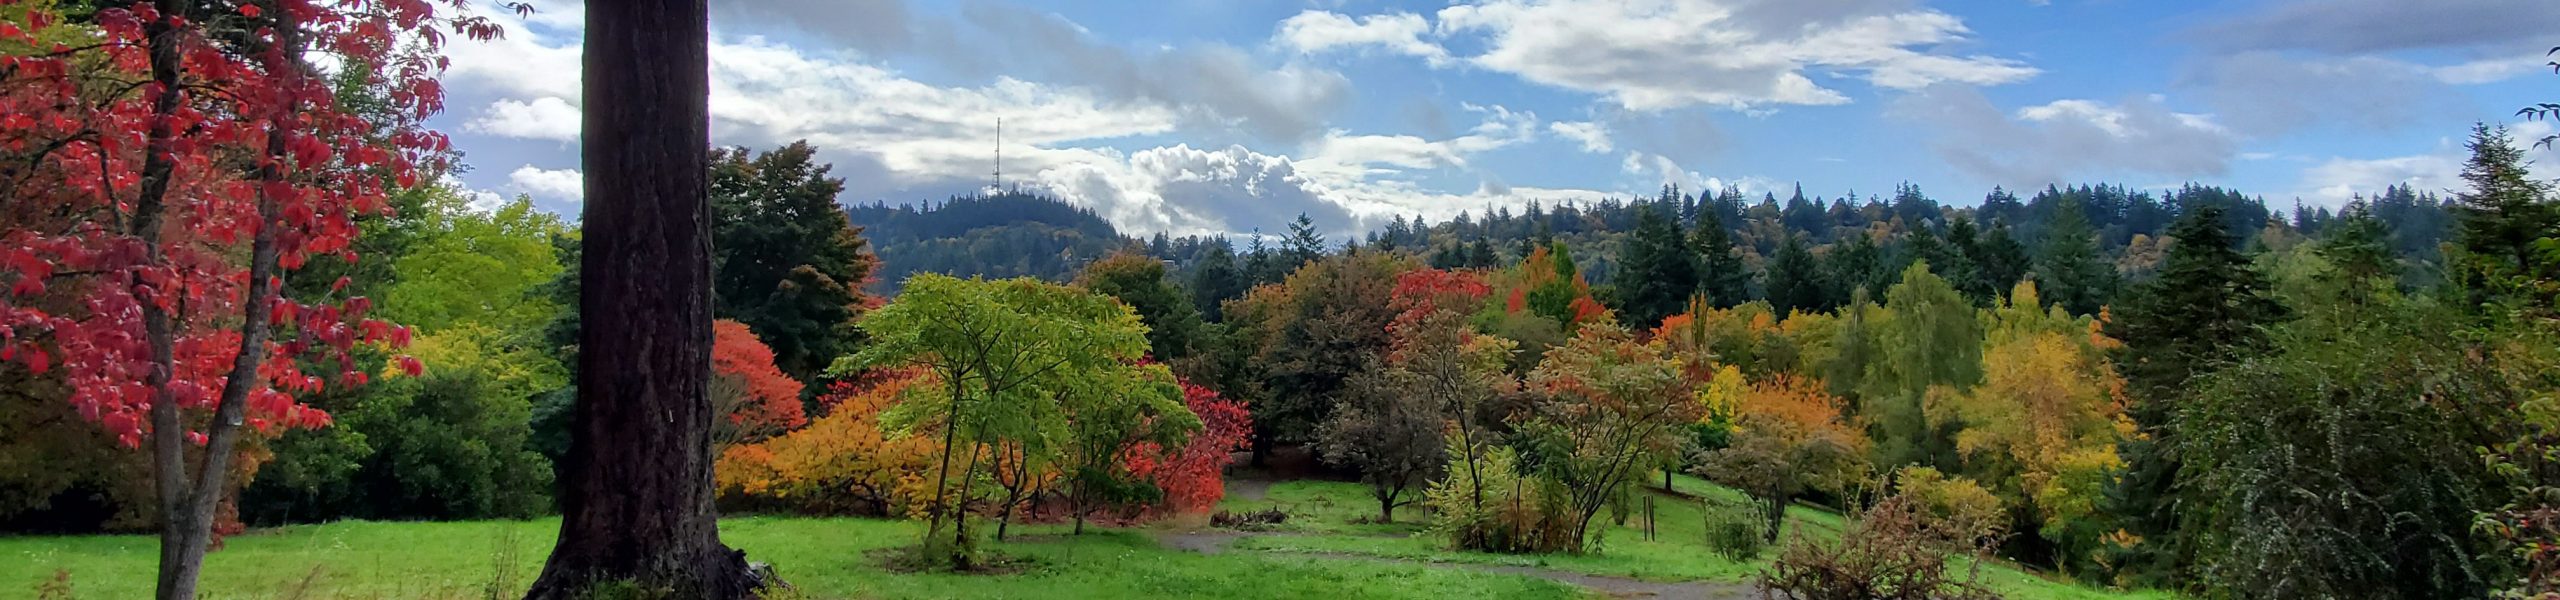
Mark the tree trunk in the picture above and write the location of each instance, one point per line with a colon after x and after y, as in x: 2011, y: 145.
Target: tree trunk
x: 1386, y: 508
x: 636, y: 494
x: 177, y: 574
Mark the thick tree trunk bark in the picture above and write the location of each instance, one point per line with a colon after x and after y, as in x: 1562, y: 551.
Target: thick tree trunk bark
x: 636, y: 501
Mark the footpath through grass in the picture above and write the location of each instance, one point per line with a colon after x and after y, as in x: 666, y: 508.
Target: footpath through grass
x: 1323, y: 515
x: 825, y: 558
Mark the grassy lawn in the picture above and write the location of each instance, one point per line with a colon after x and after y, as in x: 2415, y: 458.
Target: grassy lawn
x: 1327, y: 550
x: 1322, y: 511
x: 824, y: 557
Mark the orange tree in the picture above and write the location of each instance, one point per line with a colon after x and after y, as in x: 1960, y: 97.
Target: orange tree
x: 1615, y: 406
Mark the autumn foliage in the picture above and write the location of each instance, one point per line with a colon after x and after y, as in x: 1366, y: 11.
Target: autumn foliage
x: 1192, y: 477
x: 754, y: 398
x: 841, y: 464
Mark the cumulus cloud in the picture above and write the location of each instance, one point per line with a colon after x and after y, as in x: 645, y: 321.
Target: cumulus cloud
x: 1594, y: 137
x: 1317, y: 31
x: 2059, y: 140
x: 545, y: 118
x: 556, y: 184
x: 1214, y: 86
x: 1660, y: 54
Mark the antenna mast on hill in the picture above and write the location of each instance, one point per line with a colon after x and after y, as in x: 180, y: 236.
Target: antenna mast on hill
x: 999, y: 153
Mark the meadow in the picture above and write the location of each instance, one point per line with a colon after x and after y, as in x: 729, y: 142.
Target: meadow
x: 1326, y: 549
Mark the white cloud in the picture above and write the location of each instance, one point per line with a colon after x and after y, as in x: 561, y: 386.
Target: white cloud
x: 1660, y: 54
x: 1316, y: 31
x: 545, y: 118
x: 557, y: 184
x: 2053, y: 142
x: 2488, y: 70
x: 2335, y: 181
x: 1594, y: 137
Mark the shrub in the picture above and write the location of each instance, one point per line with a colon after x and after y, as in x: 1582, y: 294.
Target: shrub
x: 1890, y: 553
x: 842, y: 464
x: 1734, y: 530
x: 1491, y: 507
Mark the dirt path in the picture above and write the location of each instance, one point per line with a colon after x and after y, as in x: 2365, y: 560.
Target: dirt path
x: 1215, y: 541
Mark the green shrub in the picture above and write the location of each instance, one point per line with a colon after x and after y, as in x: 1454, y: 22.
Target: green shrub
x: 1734, y: 530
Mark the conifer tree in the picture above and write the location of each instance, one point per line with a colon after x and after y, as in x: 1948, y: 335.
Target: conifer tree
x: 2002, y: 260
x: 1795, y: 279
x: 1657, y: 272
x: 2070, y: 271
x: 1721, y: 274
x: 2207, y: 307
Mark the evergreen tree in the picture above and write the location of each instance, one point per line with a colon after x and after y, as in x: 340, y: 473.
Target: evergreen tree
x: 1480, y: 255
x: 1216, y: 280
x: 2070, y: 272
x: 2358, y: 247
x: 2002, y: 260
x: 1304, y: 244
x: 1657, y: 272
x: 1721, y: 274
x: 2504, y: 217
x: 1963, y: 266
x: 1854, y: 264
x: 1794, y: 278
x: 2207, y: 307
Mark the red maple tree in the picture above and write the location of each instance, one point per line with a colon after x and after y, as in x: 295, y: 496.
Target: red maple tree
x: 1192, y: 478
x: 170, y: 165
x: 754, y: 399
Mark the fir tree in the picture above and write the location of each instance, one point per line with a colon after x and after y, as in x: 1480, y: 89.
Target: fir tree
x: 1216, y: 281
x: 2207, y: 307
x: 1657, y: 272
x: 2505, y: 216
x: 1721, y: 274
x: 1795, y: 280
x: 2002, y: 260
x: 2070, y: 272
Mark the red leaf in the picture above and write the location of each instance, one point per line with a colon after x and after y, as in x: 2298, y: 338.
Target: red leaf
x: 250, y: 10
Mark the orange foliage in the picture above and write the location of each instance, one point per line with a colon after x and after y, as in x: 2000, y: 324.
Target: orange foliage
x: 841, y: 464
x: 1192, y: 478
x: 1800, y: 408
x: 754, y: 398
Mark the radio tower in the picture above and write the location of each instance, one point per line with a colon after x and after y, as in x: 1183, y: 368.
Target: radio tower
x: 999, y: 154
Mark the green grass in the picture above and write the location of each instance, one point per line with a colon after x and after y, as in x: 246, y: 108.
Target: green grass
x: 1325, y: 550
x: 1322, y: 511
x: 826, y: 558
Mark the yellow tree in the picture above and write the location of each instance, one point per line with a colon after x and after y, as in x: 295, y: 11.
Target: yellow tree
x: 2043, y: 426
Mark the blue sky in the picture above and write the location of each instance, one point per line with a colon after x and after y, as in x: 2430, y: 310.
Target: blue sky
x: 1201, y: 116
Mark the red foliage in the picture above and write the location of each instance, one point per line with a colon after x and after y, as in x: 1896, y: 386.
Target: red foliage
x: 763, y: 402
x: 256, y: 151
x: 1421, y: 292
x: 1193, y: 479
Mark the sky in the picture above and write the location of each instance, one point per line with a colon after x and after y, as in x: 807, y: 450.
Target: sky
x: 1235, y: 116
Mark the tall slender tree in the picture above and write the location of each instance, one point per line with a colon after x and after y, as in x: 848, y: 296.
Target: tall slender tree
x: 636, y: 489
x: 2001, y: 258
x: 2507, y: 217
x: 2207, y: 307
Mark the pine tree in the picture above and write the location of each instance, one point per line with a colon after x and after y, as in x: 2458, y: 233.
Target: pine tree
x: 2207, y: 306
x: 1721, y: 274
x: 2070, y: 272
x: 2001, y: 258
x: 1795, y: 279
x: 1480, y: 255
x: 1657, y: 272
x: 2358, y: 247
